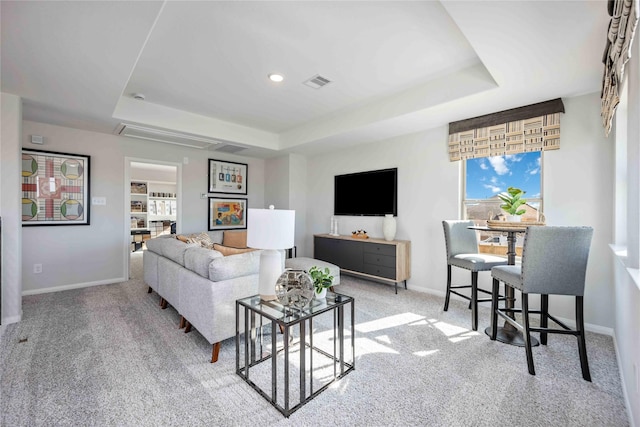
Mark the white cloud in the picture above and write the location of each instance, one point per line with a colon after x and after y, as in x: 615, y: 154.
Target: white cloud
x: 494, y: 189
x: 499, y: 165
x: 534, y: 171
x: 483, y: 166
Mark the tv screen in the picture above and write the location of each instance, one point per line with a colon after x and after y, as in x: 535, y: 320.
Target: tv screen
x: 372, y: 193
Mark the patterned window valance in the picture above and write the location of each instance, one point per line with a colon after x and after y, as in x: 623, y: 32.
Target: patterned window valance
x: 535, y: 127
x: 624, y: 19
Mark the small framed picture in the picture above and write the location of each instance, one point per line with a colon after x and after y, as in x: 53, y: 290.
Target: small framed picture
x: 227, y: 177
x: 227, y: 213
x: 55, y: 188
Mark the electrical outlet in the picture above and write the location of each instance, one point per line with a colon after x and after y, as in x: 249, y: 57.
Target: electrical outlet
x: 37, y: 268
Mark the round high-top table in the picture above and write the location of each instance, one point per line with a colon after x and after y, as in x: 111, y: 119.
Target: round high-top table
x: 507, y: 333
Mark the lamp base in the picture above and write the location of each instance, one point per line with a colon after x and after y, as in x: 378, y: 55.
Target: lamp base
x: 270, y: 271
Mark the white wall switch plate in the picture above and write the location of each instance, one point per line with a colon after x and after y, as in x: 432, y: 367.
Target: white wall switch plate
x: 98, y: 201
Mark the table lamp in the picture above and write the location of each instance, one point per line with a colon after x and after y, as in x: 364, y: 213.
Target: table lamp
x: 271, y: 230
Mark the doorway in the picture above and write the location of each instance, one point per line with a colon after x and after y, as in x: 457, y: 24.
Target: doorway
x: 152, y: 206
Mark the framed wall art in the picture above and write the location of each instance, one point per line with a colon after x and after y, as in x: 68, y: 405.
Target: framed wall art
x: 227, y: 177
x: 55, y: 188
x: 227, y: 213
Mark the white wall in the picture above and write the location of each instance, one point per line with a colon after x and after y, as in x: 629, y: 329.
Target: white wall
x: 427, y: 194
x: 100, y: 246
x: 578, y: 182
x: 285, y: 188
x: 11, y: 119
x: 626, y: 286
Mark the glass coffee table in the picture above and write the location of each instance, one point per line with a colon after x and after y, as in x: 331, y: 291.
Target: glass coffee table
x: 309, y: 349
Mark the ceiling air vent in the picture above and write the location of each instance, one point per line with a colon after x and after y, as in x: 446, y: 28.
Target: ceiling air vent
x: 168, y: 137
x: 317, y: 81
x: 232, y: 149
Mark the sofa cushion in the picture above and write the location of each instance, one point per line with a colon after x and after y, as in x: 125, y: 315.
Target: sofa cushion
x: 164, y: 243
x: 235, y: 239
x: 226, y: 251
x: 232, y: 266
x: 197, y: 259
x: 174, y: 250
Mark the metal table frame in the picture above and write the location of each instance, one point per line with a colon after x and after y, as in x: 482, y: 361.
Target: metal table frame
x: 507, y: 333
x: 285, y: 319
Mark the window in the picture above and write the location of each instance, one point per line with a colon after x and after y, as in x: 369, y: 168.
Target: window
x: 486, y: 177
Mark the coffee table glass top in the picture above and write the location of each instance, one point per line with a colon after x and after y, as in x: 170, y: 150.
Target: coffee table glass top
x: 275, y: 311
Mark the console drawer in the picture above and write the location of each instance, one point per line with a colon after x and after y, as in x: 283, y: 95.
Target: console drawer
x: 381, y: 260
x: 378, y: 248
x: 376, y: 270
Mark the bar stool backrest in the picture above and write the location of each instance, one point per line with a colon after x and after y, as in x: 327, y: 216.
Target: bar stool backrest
x: 554, y: 259
x: 459, y: 239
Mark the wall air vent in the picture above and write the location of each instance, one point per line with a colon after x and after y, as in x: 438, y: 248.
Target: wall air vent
x: 317, y: 81
x: 168, y: 137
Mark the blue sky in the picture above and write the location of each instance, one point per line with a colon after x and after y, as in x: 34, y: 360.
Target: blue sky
x: 489, y: 176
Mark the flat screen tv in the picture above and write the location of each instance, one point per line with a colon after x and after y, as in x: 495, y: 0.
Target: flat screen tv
x: 372, y: 193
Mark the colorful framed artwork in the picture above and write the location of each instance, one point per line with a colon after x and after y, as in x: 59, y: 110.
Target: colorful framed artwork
x: 227, y: 177
x: 227, y: 213
x: 55, y: 188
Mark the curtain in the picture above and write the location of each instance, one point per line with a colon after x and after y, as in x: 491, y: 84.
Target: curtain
x: 534, y: 127
x: 624, y: 19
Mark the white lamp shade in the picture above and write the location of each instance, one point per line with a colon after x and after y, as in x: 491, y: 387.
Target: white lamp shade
x: 271, y: 228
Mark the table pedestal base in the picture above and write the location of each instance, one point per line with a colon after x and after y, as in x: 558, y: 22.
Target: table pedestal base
x: 510, y: 335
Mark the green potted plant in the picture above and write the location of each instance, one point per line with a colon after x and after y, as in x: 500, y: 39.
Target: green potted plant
x: 512, y: 200
x: 322, y: 280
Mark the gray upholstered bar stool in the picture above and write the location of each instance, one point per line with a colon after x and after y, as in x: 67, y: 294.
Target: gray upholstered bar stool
x: 554, y: 262
x: 463, y: 252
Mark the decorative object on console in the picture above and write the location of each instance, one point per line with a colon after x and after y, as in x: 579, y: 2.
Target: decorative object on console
x: 322, y: 280
x: 294, y: 288
x: 359, y: 234
x: 271, y: 230
x: 389, y: 227
x: 334, y: 227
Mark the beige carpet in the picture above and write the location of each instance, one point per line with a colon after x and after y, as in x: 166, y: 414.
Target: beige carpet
x: 109, y: 356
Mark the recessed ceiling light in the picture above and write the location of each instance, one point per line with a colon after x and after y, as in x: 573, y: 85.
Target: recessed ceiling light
x: 276, y: 77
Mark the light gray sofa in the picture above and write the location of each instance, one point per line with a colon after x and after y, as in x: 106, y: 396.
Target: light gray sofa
x: 201, y: 284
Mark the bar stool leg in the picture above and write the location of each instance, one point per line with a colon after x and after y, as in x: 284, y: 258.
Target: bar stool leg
x: 527, y: 334
x: 474, y: 300
x: 494, y: 309
x: 446, y: 298
x: 582, y: 345
x: 544, y: 317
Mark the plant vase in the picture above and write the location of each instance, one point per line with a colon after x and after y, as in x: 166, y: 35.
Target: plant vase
x: 322, y: 294
x: 514, y: 218
x: 389, y: 227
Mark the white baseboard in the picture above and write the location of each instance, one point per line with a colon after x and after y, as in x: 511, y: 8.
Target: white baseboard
x: 74, y: 286
x: 11, y: 319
